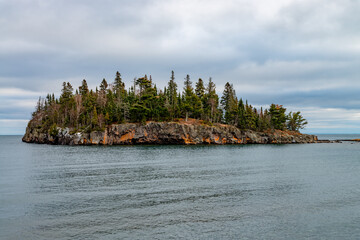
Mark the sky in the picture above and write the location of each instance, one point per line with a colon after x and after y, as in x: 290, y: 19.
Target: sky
x: 303, y: 54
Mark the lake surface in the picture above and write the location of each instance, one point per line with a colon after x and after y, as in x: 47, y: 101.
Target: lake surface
x: 307, y: 191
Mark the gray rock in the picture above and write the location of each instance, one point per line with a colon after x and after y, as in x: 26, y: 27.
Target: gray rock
x: 166, y: 133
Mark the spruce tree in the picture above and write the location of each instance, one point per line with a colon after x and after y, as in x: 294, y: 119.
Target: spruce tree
x: 241, y: 115
x: 67, y: 91
x: 172, y: 94
x: 94, y: 119
x: 119, y: 87
x: 103, y: 85
x: 199, y: 88
x: 211, y: 102
x: 229, y: 104
x: 295, y: 121
x: 277, y: 116
x: 84, y: 89
x: 188, y: 97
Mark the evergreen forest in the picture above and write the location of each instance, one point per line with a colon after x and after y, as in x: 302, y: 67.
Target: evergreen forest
x: 88, y: 110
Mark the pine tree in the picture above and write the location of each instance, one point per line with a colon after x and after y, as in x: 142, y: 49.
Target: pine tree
x: 295, y: 121
x: 110, y: 107
x: 241, y: 114
x: 172, y: 94
x: 188, y: 89
x: 94, y: 119
x: 84, y: 89
x: 103, y: 85
x: 211, y: 102
x: 200, y: 89
x: 119, y: 86
x: 188, y: 97
x: 229, y: 104
x: 118, y: 83
x: 67, y: 91
x: 227, y: 96
x: 277, y: 116
x: 250, y: 117
x: 264, y: 123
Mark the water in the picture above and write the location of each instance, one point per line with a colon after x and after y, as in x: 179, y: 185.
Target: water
x: 308, y: 191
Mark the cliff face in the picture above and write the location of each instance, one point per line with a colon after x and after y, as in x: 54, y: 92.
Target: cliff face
x: 165, y: 133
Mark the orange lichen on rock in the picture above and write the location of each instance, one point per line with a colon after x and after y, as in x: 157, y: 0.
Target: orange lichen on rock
x: 223, y: 141
x: 104, y: 140
x: 188, y: 140
x: 128, y: 136
x: 236, y: 140
x: 216, y: 138
x: 207, y: 140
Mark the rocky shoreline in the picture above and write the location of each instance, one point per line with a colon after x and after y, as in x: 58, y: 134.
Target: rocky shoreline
x: 165, y: 133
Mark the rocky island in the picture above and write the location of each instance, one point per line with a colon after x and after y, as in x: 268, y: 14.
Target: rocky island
x: 166, y: 133
x: 143, y: 114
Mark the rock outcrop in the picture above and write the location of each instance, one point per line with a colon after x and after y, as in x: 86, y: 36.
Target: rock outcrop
x: 165, y: 133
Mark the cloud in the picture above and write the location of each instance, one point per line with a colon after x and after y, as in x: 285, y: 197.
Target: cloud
x: 331, y: 120
x: 297, y: 53
x: 12, y: 126
x: 17, y: 104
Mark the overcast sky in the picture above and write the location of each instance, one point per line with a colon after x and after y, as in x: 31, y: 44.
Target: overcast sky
x: 302, y: 54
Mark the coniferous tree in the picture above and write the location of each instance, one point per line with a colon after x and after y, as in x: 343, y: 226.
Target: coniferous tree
x: 119, y: 98
x: 241, y: 115
x: 119, y: 85
x: 277, y: 116
x: 187, y: 105
x: 88, y: 110
x: 211, y: 100
x: 94, y: 119
x: 191, y: 103
x: 84, y: 89
x: 264, y: 122
x: 103, y: 85
x: 110, y: 107
x: 200, y: 88
x: 147, y: 97
x: 250, y: 117
x: 66, y: 92
x: 295, y: 121
x: 200, y: 99
x: 229, y: 104
x: 172, y: 95
x: 66, y: 102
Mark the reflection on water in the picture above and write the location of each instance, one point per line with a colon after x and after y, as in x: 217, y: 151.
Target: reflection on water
x: 170, y: 192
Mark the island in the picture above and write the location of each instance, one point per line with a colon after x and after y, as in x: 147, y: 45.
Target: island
x: 144, y: 114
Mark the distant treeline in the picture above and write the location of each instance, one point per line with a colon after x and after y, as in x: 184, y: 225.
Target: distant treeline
x: 89, y: 110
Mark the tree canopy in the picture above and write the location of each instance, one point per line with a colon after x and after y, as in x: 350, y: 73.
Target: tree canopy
x: 87, y: 110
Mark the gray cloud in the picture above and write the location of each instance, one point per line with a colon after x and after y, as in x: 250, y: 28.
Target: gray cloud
x: 298, y: 53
